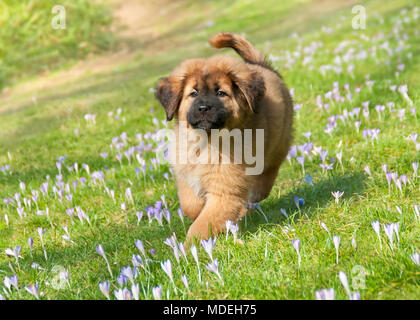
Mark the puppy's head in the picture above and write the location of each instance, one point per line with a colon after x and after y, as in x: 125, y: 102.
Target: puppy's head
x: 211, y: 94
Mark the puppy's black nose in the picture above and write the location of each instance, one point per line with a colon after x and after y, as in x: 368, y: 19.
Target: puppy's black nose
x: 203, y: 108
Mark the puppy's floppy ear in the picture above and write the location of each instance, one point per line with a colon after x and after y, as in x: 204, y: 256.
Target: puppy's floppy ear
x: 252, y: 88
x: 169, y: 93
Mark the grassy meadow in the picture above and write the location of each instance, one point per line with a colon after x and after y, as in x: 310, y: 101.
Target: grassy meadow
x: 79, y: 170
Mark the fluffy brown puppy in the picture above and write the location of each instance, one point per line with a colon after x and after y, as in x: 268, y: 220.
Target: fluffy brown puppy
x: 227, y: 93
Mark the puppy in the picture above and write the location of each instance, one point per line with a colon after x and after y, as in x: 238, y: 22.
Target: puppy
x: 229, y: 94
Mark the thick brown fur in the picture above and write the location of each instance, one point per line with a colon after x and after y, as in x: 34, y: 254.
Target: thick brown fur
x: 256, y: 98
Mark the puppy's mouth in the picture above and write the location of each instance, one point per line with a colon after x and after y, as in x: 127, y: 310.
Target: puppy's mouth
x: 206, y: 124
x: 208, y: 120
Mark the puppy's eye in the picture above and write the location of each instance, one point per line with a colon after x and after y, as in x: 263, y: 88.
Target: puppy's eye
x: 194, y: 93
x: 221, y: 93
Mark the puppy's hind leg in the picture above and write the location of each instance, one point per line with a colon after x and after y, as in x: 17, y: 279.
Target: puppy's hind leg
x: 190, y: 203
x: 262, y: 185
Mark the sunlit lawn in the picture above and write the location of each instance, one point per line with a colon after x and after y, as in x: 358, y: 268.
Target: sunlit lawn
x: 355, y: 132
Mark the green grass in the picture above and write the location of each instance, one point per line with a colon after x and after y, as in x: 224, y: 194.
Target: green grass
x: 265, y: 266
x: 29, y: 44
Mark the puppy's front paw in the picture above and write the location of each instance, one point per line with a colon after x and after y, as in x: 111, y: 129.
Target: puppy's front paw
x: 198, y: 231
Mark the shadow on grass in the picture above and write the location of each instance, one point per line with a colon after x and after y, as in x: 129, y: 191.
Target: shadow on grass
x: 316, y: 197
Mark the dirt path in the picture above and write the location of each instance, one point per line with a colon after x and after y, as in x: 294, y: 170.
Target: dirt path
x: 135, y: 22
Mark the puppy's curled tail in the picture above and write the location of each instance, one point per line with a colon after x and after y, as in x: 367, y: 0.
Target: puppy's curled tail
x: 245, y: 49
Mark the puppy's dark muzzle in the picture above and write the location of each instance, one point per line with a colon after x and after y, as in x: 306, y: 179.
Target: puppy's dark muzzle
x: 206, y: 117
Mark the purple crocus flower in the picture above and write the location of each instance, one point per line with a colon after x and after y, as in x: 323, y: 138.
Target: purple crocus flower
x: 415, y: 257
x: 416, y: 211
x: 7, y: 201
x: 104, y: 287
x: 181, y: 248
x: 307, y: 135
x: 299, y: 202
x: 398, y: 183
x: 208, y: 246
x: 167, y: 268
x: 366, y: 104
x: 167, y: 215
x: 129, y: 195
x: 180, y: 214
x: 323, y: 155
x: 14, y: 281
x: 33, y: 289
x: 128, y: 273
x: 214, y: 267
x: 325, y: 294
x: 123, y: 294
x: 140, y: 246
x: 185, y: 282
x: 337, y: 195
x: 339, y: 156
x: 7, y: 283
x: 162, y: 197
x: 70, y: 212
x: 137, y: 171
x: 415, y: 166
x: 324, y: 226
x: 100, y: 250
x: 104, y: 155
x: 344, y: 281
x: 14, y: 253
x: 389, y: 231
x: 135, y: 290
x: 41, y: 233
x: 122, y: 280
x: 233, y: 228
x: 377, y: 228
x: 137, y: 261
x: 172, y: 242
x: 30, y: 243
x: 296, y: 245
x: 308, y: 179
x: 157, y: 293
x: 139, y: 216
x: 379, y: 109
x: 86, y: 167
x: 195, y: 256
x: 325, y: 166
x: 292, y: 153
x: 301, y: 161
x: 158, y: 205
x: 21, y: 212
